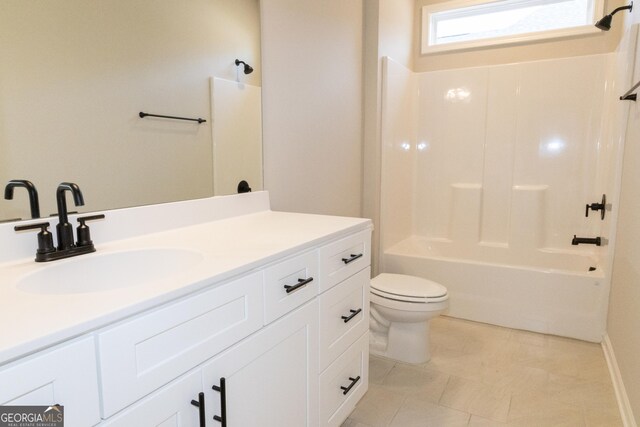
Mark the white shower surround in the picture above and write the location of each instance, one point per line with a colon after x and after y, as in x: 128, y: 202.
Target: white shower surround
x: 486, y: 173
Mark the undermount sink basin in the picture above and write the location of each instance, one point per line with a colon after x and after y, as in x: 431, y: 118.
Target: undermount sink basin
x: 103, y: 272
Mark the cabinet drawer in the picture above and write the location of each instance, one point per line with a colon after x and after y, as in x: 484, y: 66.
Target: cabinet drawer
x: 141, y: 355
x: 344, y: 316
x: 290, y: 284
x: 169, y: 406
x: 343, y: 258
x: 65, y: 375
x: 344, y: 383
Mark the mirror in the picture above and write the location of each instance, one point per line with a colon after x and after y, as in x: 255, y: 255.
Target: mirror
x: 76, y: 73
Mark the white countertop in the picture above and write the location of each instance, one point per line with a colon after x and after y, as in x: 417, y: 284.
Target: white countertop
x: 232, y: 246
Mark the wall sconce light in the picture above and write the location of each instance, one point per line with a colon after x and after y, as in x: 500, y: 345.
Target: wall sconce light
x: 605, y: 23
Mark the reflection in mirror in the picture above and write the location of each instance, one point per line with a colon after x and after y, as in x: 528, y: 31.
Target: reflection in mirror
x: 237, y: 136
x: 76, y: 73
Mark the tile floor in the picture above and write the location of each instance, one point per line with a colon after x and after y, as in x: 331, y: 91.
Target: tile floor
x: 484, y: 375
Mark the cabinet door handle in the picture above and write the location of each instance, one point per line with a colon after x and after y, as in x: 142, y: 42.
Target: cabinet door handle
x: 353, y: 258
x: 301, y: 283
x: 200, y: 405
x: 350, y: 386
x: 222, y: 388
x: 353, y: 314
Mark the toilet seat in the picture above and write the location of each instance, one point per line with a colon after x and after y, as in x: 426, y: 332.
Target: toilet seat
x: 403, y: 288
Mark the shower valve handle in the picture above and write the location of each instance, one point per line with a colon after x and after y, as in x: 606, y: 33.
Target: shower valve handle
x: 597, y: 207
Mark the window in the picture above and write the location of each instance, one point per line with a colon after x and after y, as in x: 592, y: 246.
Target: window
x: 467, y: 24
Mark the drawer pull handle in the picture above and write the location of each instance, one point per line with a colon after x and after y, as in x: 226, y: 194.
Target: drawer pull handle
x: 222, y: 418
x: 353, y: 258
x: 347, y: 389
x: 353, y: 314
x: 301, y: 283
x: 200, y: 405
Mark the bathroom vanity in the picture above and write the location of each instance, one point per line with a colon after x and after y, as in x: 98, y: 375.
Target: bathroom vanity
x: 216, y: 312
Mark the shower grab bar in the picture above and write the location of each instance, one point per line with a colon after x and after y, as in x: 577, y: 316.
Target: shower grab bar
x: 628, y: 96
x: 143, y: 115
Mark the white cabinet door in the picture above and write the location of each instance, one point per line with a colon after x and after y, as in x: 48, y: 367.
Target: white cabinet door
x: 144, y: 353
x: 270, y: 378
x: 65, y: 375
x: 168, y: 407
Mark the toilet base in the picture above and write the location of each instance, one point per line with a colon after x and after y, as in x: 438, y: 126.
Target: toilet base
x: 405, y: 342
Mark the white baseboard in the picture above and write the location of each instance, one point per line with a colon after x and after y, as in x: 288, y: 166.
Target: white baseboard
x: 621, y: 393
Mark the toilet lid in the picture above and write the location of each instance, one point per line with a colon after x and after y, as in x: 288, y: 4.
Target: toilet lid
x: 407, y: 288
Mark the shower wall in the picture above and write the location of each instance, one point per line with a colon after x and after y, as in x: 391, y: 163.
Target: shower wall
x: 503, y: 156
x: 399, y: 127
x: 485, y: 176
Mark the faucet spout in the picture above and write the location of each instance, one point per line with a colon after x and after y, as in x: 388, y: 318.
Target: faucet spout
x: 64, y: 229
x: 31, y: 189
x: 586, y: 240
x: 66, y: 247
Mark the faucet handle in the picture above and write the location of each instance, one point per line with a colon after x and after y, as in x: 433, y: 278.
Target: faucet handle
x: 45, y: 238
x: 90, y: 218
x: 597, y: 207
x: 84, y: 235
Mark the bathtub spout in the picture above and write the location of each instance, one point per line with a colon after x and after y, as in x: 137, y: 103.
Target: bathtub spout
x: 587, y: 240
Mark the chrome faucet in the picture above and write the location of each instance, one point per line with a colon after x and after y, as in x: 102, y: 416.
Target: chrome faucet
x: 31, y: 189
x: 64, y: 229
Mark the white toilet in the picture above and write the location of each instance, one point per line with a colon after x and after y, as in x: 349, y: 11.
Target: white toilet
x: 401, y: 308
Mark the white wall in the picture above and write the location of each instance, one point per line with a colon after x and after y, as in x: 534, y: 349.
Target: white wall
x: 624, y: 303
x: 399, y: 128
x: 388, y: 32
x: 312, y: 102
x: 396, y: 21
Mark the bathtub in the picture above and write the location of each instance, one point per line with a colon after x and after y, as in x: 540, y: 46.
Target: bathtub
x: 549, y: 291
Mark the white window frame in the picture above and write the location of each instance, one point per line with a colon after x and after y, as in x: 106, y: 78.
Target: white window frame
x: 427, y: 11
